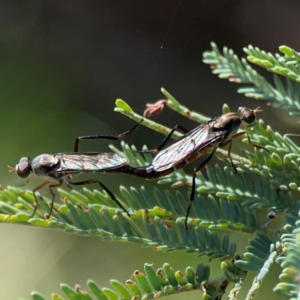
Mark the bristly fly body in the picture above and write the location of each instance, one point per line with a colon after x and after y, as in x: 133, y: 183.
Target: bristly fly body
x: 62, y: 167
x: 216, y: 133
x: 58, y: 168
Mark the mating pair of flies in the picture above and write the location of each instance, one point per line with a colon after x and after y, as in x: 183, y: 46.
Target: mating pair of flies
x: 60, y: 168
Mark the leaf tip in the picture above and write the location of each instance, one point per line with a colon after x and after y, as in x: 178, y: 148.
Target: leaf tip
x: 121, y: 104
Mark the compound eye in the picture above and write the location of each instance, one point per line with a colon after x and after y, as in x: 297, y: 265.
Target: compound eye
x: 247, y: 114
x: 23, y: 167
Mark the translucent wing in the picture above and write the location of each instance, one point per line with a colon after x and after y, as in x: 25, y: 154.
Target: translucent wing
x: 89, y: 162
x: 190, y: 143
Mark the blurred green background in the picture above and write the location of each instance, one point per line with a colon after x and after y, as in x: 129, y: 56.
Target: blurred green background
x: 63, y: 64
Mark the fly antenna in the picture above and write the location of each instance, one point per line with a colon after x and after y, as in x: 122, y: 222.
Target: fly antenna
x: 11, y: 169
x: 257, y: 110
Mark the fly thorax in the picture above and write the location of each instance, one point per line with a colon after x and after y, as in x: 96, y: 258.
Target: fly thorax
x: 44, y: 164
x: 227, y: 124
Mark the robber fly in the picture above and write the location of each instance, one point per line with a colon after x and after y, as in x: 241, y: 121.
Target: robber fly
x: 216, y: 133
x: 58, y: 168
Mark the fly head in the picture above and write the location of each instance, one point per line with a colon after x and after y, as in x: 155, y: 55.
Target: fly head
x: 23, y: 168
x: 248, y: 115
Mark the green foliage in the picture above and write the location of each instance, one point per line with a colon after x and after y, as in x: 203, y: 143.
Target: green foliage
x: 289, y: 260
x: 260, y: 201
x: 150, y: 285
x: 229, y: 66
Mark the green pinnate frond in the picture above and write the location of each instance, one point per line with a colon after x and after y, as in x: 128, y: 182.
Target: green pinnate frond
x: 265, y: 180
x: 227, y: 65
x: 251, y: 186
x: 260, y: 254
x: 289, y: 260
x: 291, y: 56
x: 264, y: 136
x: 207, y: 211
x: 90, y: 214
x: 274, y: 64
x: 122, y: 105
x: 257, y: 251
x: 265, y: 187
x: 181, y: 109
x: 149, y: 284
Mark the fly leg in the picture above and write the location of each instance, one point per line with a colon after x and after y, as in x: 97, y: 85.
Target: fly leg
x: 109, y: 137
x: 51, y: 186
x: 111, y: 195
x: 254, y: 145
x: 176, y: 127
x: 165, y: 140
x: 35, y: 198
x: 230, y: 144
x: 194, y: 184
x: 229, y: 151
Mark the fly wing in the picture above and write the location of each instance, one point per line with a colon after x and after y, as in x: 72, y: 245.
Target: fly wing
x: 89, y: 162
x: 190, y: 143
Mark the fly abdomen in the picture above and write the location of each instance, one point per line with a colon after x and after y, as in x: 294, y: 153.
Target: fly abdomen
x: 147, y: 172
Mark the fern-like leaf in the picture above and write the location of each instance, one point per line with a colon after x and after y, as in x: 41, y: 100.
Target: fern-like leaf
x: 289, y: 260
x: 150, y: 284
x: 265, y: 189
x: 227, y: 65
